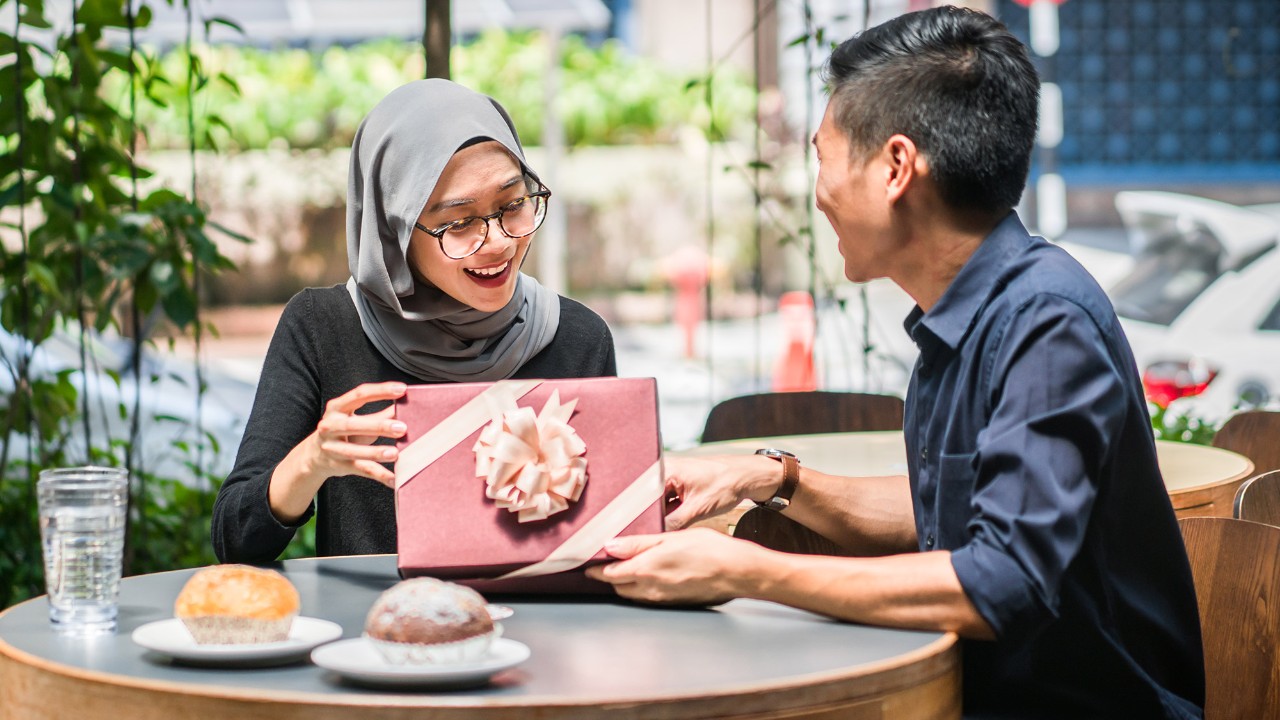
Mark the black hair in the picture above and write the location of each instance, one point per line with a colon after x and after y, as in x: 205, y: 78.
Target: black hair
x: 959, y: 85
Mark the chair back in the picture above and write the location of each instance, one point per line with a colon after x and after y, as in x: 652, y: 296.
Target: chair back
x: 802, y: 413
x: 1258, y: 499
x: 1254, y: 434
x: 1237, y: 583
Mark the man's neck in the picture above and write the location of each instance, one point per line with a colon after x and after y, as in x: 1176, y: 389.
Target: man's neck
x: 937, y: 245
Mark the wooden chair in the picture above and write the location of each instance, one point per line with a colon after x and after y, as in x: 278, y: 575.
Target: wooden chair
x: 796, y: 413
x: 1254, y: 434
x: 801, y: 413
x: 1258, y: 499
x: 1237, y: 583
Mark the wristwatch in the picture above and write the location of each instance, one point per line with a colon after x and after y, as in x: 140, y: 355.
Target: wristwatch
x: 781, y: 499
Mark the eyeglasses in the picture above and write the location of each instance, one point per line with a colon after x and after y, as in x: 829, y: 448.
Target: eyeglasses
x: 519, y: 218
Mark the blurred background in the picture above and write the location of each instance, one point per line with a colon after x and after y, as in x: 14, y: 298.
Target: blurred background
x: 175, y: 170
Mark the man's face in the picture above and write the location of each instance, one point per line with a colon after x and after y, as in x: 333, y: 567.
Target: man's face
x: 848, y: 194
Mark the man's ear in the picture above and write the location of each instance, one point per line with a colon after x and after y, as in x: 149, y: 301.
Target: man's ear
x: 904, y: 163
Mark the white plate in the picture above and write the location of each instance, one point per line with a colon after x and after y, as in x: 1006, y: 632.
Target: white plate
x: 170, y: 637
x: 499, y: 612
x: 357, y: 660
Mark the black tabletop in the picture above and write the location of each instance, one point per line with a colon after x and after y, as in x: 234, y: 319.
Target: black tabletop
x: 581, y: 651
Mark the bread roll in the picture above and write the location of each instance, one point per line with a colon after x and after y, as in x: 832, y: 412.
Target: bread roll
x: 237, y: 605
x: 425, y: 620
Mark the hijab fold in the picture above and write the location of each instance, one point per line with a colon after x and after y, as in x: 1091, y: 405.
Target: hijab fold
x: 400, y: 150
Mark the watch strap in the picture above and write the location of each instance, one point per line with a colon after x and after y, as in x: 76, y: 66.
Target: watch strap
x: 781, y: 499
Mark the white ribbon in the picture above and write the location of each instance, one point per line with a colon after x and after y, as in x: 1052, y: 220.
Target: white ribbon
x: 434, y: 443
x: 606, y: 525
x: 532, y: 465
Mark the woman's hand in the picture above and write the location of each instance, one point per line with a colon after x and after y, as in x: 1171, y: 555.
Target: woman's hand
x: 342, y: 444
x: 708, y: 486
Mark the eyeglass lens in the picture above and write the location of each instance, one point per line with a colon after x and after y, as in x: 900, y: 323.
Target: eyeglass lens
x: 516, y: 219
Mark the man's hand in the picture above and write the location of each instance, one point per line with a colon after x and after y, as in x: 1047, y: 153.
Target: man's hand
x: 692, y: 567
x: 709, y: 486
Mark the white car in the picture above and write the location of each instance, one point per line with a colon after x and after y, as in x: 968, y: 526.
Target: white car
x: 1201, y: 302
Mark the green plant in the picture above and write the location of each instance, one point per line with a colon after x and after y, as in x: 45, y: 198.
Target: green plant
x: 315, y: 99
x: 87, y: 252
x: 1181, y: 427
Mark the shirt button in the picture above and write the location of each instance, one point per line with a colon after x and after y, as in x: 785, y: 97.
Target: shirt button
x: 928, y: 542
x: 924, y: 454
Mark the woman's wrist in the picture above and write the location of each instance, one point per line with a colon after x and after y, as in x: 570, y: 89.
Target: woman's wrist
x: 293, y: 484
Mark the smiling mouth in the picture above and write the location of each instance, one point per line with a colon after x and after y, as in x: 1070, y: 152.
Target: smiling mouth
x: 490, y: 276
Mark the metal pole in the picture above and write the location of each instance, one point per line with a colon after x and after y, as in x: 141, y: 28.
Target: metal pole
x: 1051, y: 190
x: 437, y: 38
x: 552, y: 238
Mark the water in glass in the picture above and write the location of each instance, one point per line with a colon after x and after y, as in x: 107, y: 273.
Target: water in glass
x: 82, y: 518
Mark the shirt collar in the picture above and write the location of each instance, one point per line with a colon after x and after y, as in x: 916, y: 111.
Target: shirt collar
x: 956, y: 310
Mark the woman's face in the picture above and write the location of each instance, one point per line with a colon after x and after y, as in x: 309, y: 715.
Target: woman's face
x: 477, y: 181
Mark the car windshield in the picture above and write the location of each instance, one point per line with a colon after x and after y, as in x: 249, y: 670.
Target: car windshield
x: 1166, y: 276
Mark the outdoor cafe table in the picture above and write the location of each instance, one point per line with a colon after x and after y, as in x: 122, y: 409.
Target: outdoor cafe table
x: 1201, y: 480
x: 606, y: 659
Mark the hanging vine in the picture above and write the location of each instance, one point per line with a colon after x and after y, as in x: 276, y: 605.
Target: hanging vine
x: 104, y: 255
x: 776, y: 210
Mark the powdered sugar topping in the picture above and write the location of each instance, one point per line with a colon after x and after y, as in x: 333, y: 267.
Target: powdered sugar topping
x: 430, y: 600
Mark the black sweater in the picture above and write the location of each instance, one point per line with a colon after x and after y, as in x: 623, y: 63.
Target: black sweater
x: 319, y: 351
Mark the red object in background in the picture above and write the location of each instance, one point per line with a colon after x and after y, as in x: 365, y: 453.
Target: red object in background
x: 1169, y: 380
x: 688, y: 269
x: 1029, y: 3
x: 794, y: 372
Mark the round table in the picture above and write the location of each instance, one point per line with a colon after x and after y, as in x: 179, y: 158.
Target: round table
x: 1201, y: 480
x: 745, y: 659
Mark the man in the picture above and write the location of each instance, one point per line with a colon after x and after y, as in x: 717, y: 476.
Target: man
x: 1033, y: 521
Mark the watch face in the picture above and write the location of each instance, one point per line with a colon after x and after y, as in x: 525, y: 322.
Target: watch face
x: 774, y: 452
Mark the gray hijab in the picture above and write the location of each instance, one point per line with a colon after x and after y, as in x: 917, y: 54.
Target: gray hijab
x: 400, y: 150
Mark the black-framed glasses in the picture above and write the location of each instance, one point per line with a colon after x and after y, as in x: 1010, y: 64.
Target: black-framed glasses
x: 519, y: 218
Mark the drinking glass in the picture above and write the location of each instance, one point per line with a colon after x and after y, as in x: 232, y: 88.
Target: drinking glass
x: 82, y: 519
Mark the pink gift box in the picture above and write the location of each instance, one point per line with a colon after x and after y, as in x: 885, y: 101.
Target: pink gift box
x: 447, y: 526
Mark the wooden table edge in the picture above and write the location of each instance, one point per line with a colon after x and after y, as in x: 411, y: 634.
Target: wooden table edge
x: 938, y: 658
x: 1213, y: 499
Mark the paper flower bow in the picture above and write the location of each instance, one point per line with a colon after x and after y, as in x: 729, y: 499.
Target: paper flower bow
x: 532, y: 465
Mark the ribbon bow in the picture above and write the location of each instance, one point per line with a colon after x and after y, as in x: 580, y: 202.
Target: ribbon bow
x: 532, y: 465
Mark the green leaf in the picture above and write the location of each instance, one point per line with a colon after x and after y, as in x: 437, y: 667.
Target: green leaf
x: 230, y: 82
x: 180, y: 306
x: 229, y: 232
x: 32, y: 15
x: 145, y: 295
x: 10, y: 195
x: 115, y: 59
x: 43, y: 276
x: 220, y: 20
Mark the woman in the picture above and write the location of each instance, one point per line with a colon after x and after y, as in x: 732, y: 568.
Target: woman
x: 441, y: 208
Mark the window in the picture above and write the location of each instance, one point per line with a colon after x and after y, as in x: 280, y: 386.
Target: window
x: 1166, y: 277
x: 1272, y: 320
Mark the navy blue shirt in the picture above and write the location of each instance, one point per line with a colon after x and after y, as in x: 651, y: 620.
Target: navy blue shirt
x: 1031, y: 459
